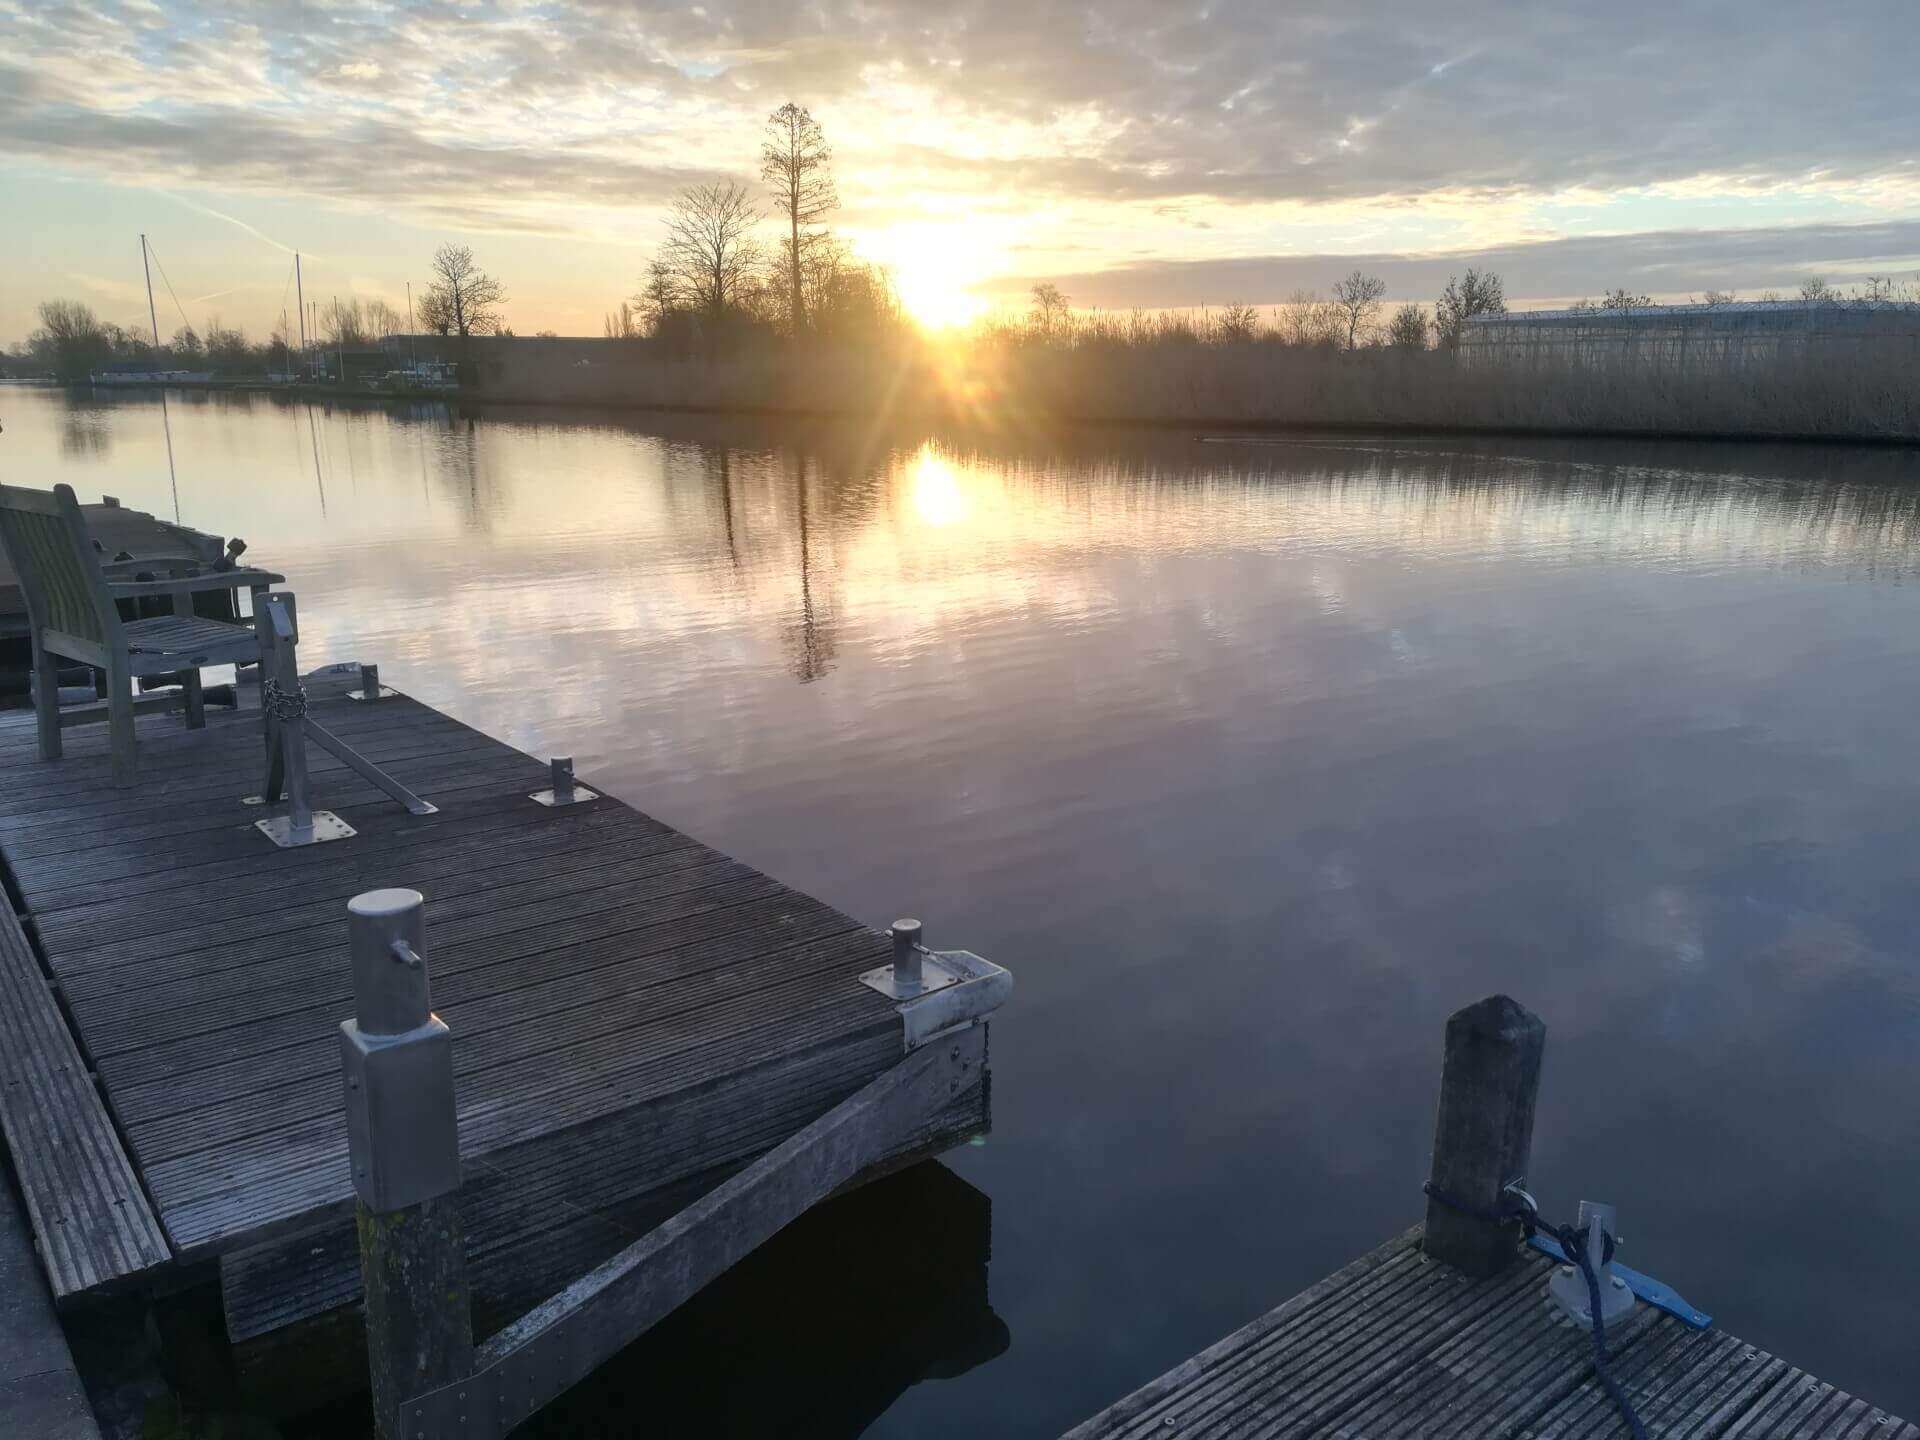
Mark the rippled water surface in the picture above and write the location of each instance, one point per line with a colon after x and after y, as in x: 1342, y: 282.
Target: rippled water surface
x: 1252, y: 761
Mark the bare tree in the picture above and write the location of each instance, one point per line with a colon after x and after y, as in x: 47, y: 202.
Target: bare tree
x: 1047, y: 307
x: 435, y: 317
x: 710, y: 259
x: 659, y: 298
x: 1472, y: 294
x: 70, y: 338
x: 1306, y: 320
x: 624, y: 323
x: 1818, y: 291
x: 1714, y: 299
x: 1237, y: 325
x: 462, y: 299
x: 1407, y: 330
x: 1358, y: 297
x: 1624, y: 301
x: 383, y: 319
x: 793, y: 161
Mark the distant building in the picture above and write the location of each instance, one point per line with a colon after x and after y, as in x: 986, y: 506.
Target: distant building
x: 1737, y: 330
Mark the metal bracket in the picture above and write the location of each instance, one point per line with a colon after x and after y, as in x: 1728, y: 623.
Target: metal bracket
x: 326, y: 826
x: 370, y: 686
x: 562, y: 791
x: 937, y: 990
x: 1656, y: 1293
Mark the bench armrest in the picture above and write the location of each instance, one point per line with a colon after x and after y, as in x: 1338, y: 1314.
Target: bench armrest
x: 237, y: 579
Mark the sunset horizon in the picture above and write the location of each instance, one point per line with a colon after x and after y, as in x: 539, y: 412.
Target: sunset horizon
x: 1133, y: 160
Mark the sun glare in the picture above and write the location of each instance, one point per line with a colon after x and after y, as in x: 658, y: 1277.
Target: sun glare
x: 934, y: 268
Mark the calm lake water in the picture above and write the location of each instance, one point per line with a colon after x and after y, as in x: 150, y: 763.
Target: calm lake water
x: 1252, y: 761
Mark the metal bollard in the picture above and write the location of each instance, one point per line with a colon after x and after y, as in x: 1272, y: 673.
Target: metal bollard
x: 906, y: 953
x: 404, y: 1145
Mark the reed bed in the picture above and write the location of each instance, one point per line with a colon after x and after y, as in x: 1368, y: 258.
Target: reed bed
x: 1165, y: 371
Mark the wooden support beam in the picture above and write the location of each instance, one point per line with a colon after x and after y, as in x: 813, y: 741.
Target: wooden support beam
x: 563, y: 1340
x: 1483, y: 1134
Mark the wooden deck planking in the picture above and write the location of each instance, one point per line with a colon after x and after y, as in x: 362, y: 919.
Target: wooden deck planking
x: 604, y: 976
x: 91, y: 1222
x: 1396, y: 1345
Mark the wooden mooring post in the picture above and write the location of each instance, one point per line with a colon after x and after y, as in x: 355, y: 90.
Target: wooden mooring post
x: 1483, y: 1133
x: 405, y: 1149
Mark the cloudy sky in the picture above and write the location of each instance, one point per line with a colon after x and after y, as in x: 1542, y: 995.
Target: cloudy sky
x: 1140, y: 152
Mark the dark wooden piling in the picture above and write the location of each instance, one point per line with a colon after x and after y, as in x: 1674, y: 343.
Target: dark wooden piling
x: 1483, y: 1134
x: 398, y: 1062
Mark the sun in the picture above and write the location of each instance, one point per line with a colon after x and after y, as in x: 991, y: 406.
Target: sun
x: 934, y: 268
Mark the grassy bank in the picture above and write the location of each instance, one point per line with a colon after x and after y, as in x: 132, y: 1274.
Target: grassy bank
x: 1816, y: 387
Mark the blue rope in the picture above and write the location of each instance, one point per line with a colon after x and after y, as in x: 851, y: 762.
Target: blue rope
x: 1573, y: 1241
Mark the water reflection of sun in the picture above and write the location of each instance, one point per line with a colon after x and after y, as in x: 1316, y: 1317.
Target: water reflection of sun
x: 938, y: 496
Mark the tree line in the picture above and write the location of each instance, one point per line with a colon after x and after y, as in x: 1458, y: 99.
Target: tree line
x: 73, y: 342
x: 1349, y: 317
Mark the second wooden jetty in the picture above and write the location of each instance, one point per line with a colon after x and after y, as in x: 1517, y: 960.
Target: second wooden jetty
x: 1446, y: 1331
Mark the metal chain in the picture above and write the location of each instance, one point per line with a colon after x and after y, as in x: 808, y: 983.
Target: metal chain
x: 282, y: 704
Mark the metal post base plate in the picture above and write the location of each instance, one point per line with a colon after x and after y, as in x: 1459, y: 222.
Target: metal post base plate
x: 936, y: 973
x: 386, y: 692
x: 579, y: 793
x: 326, y: 826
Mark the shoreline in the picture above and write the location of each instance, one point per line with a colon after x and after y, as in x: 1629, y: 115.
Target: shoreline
x: 1206, y: 429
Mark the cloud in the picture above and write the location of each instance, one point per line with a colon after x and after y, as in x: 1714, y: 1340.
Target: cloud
x: 1212, y: 126
x: 1235, y: 100
x: 1663, y: 263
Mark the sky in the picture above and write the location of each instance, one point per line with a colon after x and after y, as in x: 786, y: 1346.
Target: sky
x: 1136, y: 152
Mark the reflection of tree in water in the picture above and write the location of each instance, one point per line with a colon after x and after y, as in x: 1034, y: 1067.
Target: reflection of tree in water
x: 84, y: 435
x: 809, y: 637
x: 456, y: 467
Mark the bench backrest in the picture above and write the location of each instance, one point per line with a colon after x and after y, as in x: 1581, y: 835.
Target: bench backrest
x: 52, y: 553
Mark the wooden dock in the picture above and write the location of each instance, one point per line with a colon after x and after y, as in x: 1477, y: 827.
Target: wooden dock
x: 1448, y: 1332
x: 1398, y: 1345
x: 635, y: 1015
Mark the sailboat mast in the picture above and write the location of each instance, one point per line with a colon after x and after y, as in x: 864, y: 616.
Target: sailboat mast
x: 153, y: 316
x: 300, y: 297
x: 413, y: 340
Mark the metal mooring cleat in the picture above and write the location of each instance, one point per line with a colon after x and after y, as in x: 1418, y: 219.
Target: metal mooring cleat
x: 1568, y: 1287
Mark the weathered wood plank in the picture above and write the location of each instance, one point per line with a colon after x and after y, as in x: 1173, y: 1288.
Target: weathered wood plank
x: 90, y: 1220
